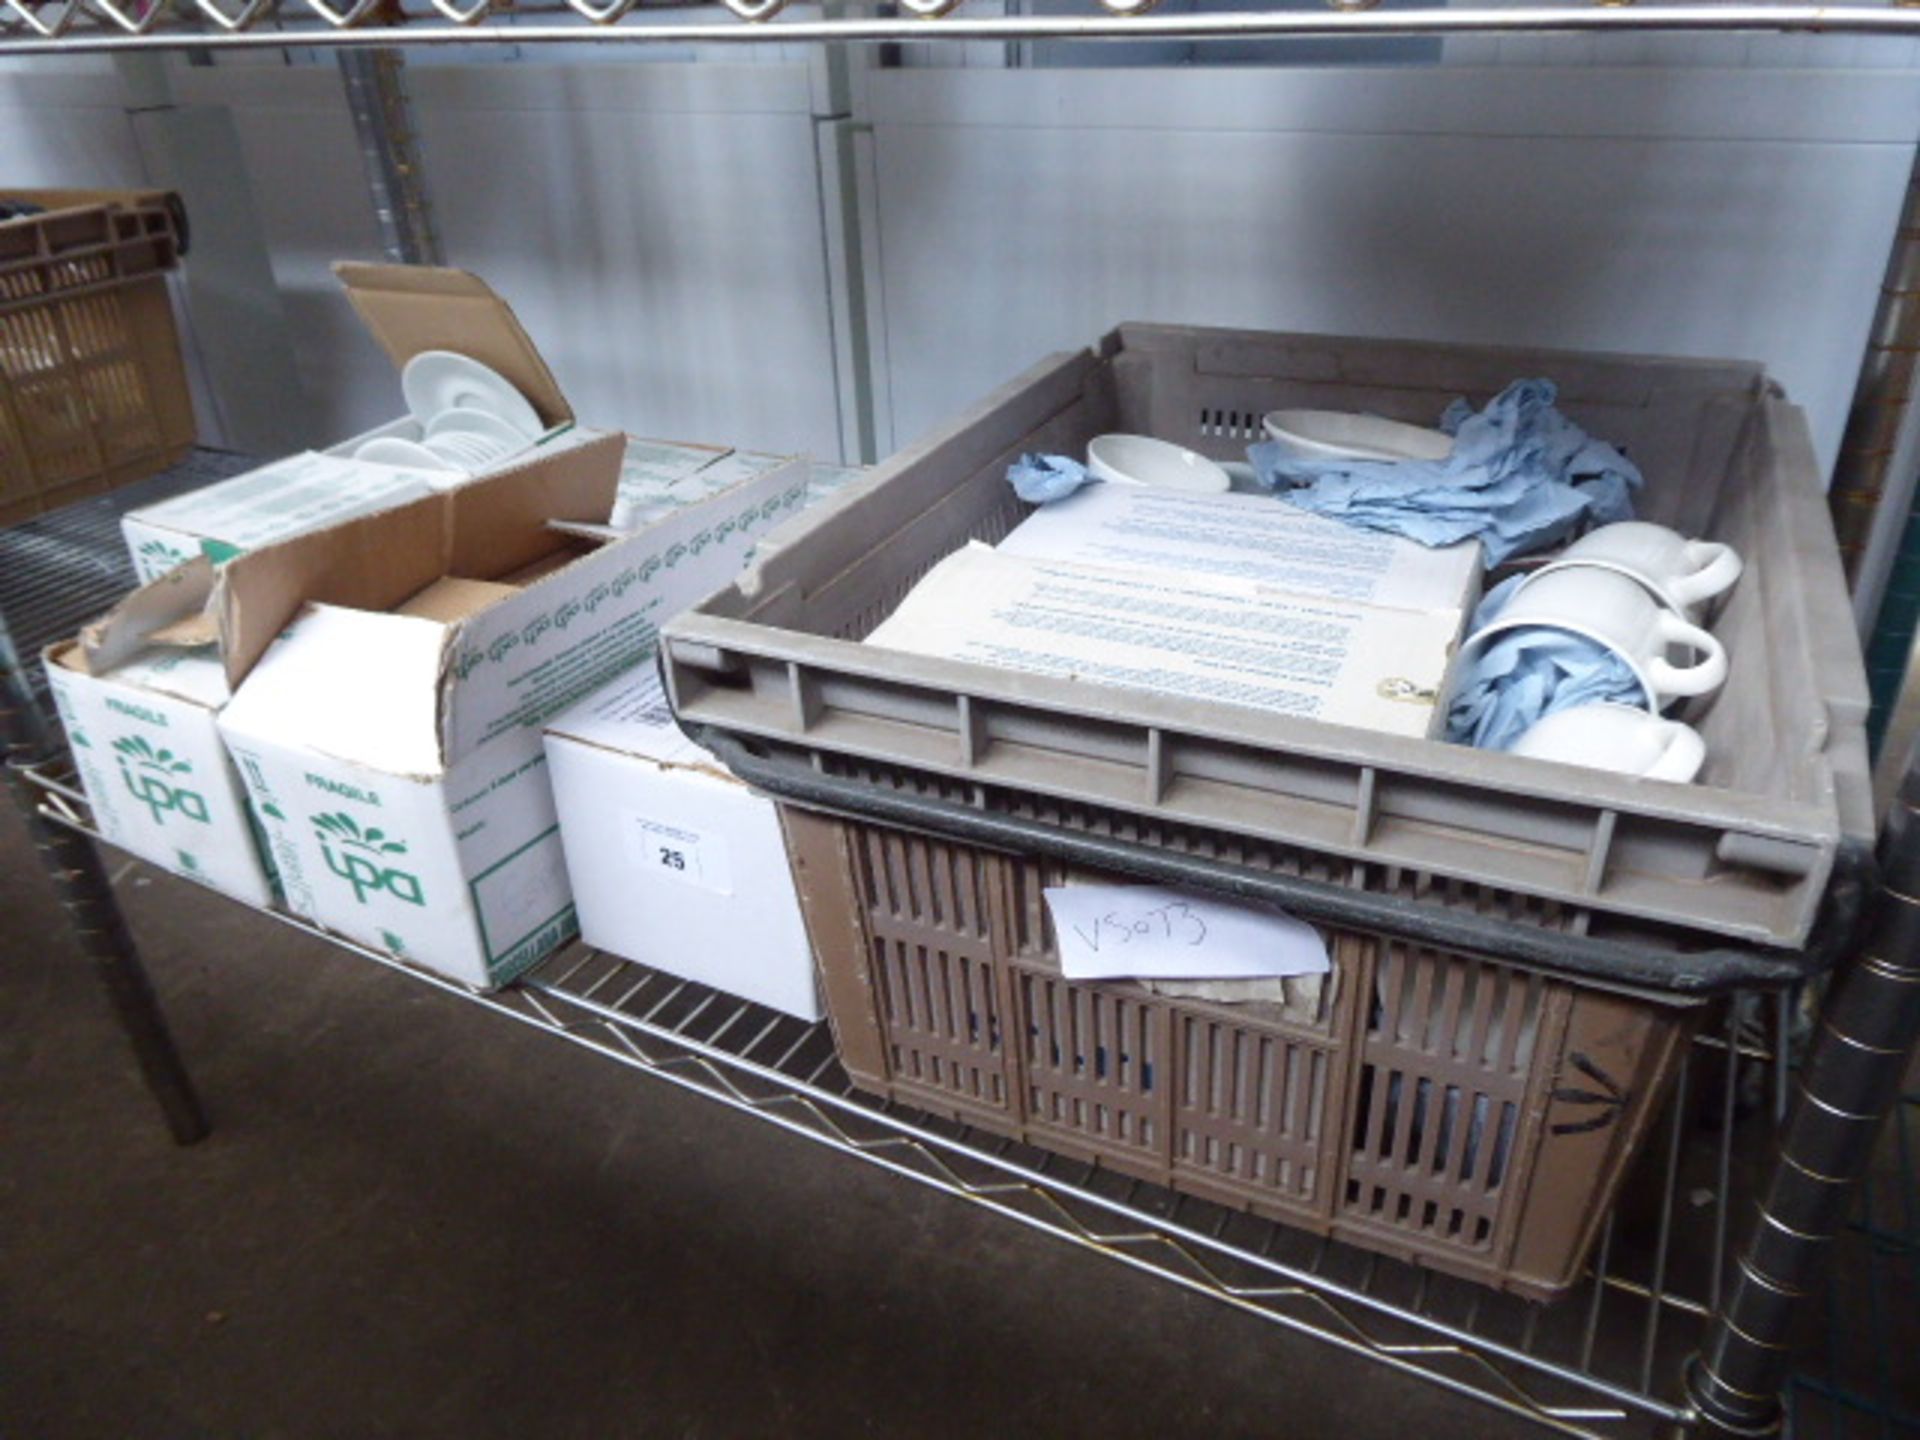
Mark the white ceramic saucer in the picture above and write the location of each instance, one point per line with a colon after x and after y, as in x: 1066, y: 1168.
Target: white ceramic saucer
x: 499, y: 437
x: 436, y: 381
x: 391, y: 450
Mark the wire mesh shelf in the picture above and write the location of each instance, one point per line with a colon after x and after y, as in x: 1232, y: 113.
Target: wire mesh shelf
x: 1604, y: 1361
x: 44, y: 26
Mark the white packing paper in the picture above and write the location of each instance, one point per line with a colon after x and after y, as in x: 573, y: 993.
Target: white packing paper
x: 1128, y: 932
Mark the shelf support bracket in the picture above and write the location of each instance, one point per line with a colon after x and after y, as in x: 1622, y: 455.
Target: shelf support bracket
x: 80, y: 880
x: 1851, y: 1079
x: 390, y: 154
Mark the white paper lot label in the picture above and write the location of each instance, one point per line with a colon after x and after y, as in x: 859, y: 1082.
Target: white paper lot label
x: 1134, y: 931
x: 679, y: 853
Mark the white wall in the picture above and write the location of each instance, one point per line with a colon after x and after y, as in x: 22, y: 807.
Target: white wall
x: 655, y: 227
x: 65, y: 126
x: 1690, y: 212
x: 672, y: 265
x: 659, y: 227
x: 310, y: 200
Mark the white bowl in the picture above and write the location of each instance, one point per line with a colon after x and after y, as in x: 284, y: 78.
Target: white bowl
x: 1142, y: 460
x: 1338, y: 435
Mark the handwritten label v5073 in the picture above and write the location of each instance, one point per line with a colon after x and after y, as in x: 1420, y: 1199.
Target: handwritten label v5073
x: 1110, y: 932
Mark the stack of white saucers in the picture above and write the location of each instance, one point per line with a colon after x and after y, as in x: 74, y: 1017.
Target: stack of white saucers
x: 470, y: 418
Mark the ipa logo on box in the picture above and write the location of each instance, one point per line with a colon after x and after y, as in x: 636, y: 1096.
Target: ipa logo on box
x: 161, y: 556
x: 359, y: 857
x: 151, y: 775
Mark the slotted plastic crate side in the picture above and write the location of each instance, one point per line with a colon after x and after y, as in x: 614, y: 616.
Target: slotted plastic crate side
x: 1240, y: 1093
x: 760, y: 660
x: 1438, y: 1107
x: 1451, y: 1053
x: 93, y: 390
x: 1260, y: 1100
x: 931, y: 911
x: 1495, y: 1114
x: 918, y: 1003
x: 1093, y: 1064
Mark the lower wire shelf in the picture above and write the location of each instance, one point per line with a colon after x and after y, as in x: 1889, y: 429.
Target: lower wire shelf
x: 1603, y: 1361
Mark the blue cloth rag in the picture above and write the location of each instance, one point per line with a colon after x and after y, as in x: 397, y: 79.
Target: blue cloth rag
x: 1520, y: 477
x: 1526, y: 673
x: 1038, y: 479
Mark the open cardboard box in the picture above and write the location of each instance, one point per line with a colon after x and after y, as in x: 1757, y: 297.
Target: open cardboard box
x: 408, y: 309
x: 392, y: 674
x: 139, y: 691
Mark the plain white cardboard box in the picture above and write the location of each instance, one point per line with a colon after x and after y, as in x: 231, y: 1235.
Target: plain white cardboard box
x: 398, y: 670
x: 675, y: 864
x: 140, y: 719
x: 408, y: 309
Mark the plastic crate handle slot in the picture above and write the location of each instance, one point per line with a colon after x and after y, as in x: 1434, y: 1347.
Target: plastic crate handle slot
x: 710, y: 660
x: 1760, y: 852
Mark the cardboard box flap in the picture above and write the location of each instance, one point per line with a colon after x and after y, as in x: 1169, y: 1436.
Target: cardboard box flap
x: 371, y: 563
x: 352, y: 684
x: 498, y: 529
x: 481, y: 531
x: 169, y: 611
x: 412, y: 308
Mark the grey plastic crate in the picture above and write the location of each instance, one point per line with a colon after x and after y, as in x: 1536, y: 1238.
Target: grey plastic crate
x: 1747, y: 853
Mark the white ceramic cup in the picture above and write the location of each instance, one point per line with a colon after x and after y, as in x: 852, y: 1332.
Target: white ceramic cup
x: 1622, y: 616
x: 1143, y: 460
x: 1339, y: 435
x: 1686, y: 574
x: 1620, y: 738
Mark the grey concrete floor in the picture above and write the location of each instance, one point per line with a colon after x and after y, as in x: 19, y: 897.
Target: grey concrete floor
x: 415, y: 1218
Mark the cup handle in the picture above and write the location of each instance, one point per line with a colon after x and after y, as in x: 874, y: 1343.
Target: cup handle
x: 1683, y: 756
x: 1703, y: 675
x: 1717, y: 566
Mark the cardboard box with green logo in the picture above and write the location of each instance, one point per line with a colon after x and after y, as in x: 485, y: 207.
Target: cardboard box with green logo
x: 138, y: 693
x: 397, y: 672
x: 408, y: 309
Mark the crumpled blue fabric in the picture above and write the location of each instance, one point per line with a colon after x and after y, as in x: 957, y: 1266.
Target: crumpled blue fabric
x: 1524, y: 674
x: 1520, y: 477
x: 1038, y: 479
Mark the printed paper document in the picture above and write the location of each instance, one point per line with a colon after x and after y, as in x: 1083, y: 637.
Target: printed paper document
x: 1247, y: 537
x: 1183, y: 634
